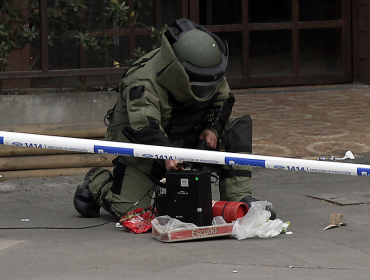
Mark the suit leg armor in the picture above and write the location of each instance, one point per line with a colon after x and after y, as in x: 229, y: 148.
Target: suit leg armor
x: 235, y: 181
x: 118, y: 191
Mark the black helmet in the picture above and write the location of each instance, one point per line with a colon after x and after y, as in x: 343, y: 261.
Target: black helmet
x: 201, y: 53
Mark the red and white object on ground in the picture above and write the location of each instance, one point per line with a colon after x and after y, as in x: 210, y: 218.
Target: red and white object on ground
x: 161, y: 230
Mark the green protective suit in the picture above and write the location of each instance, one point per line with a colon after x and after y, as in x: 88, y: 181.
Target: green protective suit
x: 156, y: 106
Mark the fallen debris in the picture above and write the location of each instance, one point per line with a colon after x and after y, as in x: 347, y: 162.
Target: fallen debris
x: 335, y: 221
x: 347, y: 155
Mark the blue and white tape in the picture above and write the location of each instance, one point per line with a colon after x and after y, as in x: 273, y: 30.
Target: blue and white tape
x: 113, y: 150
x: 159, y: 152
x: 245, y: 161
x: 363, y: 171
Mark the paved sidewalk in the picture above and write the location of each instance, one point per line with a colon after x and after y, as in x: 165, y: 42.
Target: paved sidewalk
x: 308, y: 122
x: 42, y: 237
x: 81, y: 249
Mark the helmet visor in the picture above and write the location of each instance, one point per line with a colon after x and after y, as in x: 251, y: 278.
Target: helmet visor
x: 204, y: 89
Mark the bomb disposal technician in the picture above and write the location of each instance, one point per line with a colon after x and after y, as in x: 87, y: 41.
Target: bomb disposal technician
x: 177, y: 96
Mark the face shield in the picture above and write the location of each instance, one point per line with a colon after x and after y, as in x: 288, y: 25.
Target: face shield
x: 204, y: 89
x: 204, y: 80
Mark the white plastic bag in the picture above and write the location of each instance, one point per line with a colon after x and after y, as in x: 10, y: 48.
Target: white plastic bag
x: 256, y: 223
x: 218, y: 220
x: 165, y: 224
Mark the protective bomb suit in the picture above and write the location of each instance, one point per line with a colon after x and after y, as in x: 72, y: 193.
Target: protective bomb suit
x: 176, y: 95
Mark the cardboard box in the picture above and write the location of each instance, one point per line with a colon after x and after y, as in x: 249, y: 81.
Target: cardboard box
x: 193, y: 233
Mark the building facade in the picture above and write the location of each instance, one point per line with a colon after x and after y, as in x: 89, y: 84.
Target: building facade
x: 271, y: 42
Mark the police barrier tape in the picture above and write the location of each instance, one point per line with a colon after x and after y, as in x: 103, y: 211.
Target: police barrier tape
x: 181, y: 154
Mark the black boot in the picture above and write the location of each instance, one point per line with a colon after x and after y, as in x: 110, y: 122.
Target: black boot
x: 248, y: 200
x: 83, y: 200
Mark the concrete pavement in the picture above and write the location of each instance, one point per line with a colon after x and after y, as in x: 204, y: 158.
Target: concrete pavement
x: 42, y: 237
